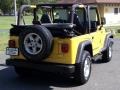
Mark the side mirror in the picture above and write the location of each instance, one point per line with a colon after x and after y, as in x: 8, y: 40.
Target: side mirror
x: 103, y: 21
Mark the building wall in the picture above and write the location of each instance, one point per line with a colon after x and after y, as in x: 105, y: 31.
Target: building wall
x: 112, y: 16
x: 101, y: 10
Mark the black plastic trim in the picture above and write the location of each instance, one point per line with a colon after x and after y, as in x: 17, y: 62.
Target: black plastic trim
x: 57, y: 30
x: 81, y: 48
x: 16, y: 30
x: 48, y: 67
x: 107, y: 41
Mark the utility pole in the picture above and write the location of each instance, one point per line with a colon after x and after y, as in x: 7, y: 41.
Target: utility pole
x: 15, y: 11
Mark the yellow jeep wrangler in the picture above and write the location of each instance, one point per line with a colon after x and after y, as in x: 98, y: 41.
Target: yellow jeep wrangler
x: 62, y: 38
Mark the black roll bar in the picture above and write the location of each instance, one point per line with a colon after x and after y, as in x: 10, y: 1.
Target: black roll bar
x: 21, y: 11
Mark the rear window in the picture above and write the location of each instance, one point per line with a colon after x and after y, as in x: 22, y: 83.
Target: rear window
x: 53, y: 15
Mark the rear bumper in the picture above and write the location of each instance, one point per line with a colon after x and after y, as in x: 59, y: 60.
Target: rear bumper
x: 47, y: 67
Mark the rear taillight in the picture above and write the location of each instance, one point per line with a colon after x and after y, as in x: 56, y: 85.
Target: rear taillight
x: 64, y: 48
x: 12, y: 44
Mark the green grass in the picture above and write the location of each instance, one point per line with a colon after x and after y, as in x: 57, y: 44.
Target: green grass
x: 118, y: 35
x: 6, y: 21
x: 4, y: 36
x: 5, y: 25
x: 114, y: 28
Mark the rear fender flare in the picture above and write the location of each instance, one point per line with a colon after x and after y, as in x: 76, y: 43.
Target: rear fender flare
x: 107, y: 41
x: 83, y: 46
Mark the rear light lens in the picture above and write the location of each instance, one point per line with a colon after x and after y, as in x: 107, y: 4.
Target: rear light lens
x: 12, y: 44
x: 64, y: 48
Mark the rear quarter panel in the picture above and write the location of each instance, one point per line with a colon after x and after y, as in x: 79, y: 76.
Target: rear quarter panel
x: 57, y: 56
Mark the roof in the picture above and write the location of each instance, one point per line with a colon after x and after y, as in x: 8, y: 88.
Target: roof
x: 55, y: 5
x: 90, y: 1
x: 68, y: 1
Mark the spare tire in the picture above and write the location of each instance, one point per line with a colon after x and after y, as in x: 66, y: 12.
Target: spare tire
x: 35, y: 42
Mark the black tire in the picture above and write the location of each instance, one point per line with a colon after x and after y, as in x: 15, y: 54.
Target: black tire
x: 41, y: 37
x: 79, y: 75
x: 107, y: 54
x: 23, y: 72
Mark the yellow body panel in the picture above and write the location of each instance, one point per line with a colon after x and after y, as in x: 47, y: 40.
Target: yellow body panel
x: 33, y: 6
x: 20, y: 56
x: 57, y: 56
x: 69, y: 58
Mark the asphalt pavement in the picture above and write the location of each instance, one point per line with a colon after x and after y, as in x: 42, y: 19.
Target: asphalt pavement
x: 105, y: 76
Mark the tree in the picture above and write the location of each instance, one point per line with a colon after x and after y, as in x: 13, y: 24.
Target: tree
x: 6, y: 6
x: 42, y: 1
x: 21, y: 2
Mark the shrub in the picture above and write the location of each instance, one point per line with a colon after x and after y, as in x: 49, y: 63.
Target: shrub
x: 118, y: 30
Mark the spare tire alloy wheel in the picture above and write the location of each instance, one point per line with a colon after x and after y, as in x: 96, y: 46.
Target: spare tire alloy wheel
x: 33, y: 43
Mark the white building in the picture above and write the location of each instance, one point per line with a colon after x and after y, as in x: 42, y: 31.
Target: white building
x: 110, y: 9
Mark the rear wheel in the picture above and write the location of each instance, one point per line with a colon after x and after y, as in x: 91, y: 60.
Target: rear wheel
x: 83, y: 69
x: 107, y: 54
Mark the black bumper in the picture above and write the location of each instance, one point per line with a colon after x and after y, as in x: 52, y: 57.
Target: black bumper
x: 48, y: 67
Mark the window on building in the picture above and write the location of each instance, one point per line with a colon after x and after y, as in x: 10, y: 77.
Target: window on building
x: 115, y: 10
x: 119, y: 10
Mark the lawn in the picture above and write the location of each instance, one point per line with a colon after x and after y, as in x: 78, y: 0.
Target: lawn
x: 4, y: 36
x: 6, y: 21
x: 5, y: 25
x: 115, y: 29
x: 118, y: 35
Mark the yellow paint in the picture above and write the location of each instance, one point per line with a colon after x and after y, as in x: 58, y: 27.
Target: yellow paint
x: 20, y: 56
x: 33, y: 6
x: 81, y: 6
x: 65, y: 58
x: 57, y: 56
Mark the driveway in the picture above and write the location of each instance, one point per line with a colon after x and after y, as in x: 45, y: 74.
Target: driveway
x: 105, y: 76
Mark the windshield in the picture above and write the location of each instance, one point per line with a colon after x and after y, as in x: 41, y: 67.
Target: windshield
x: 53, y: 15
